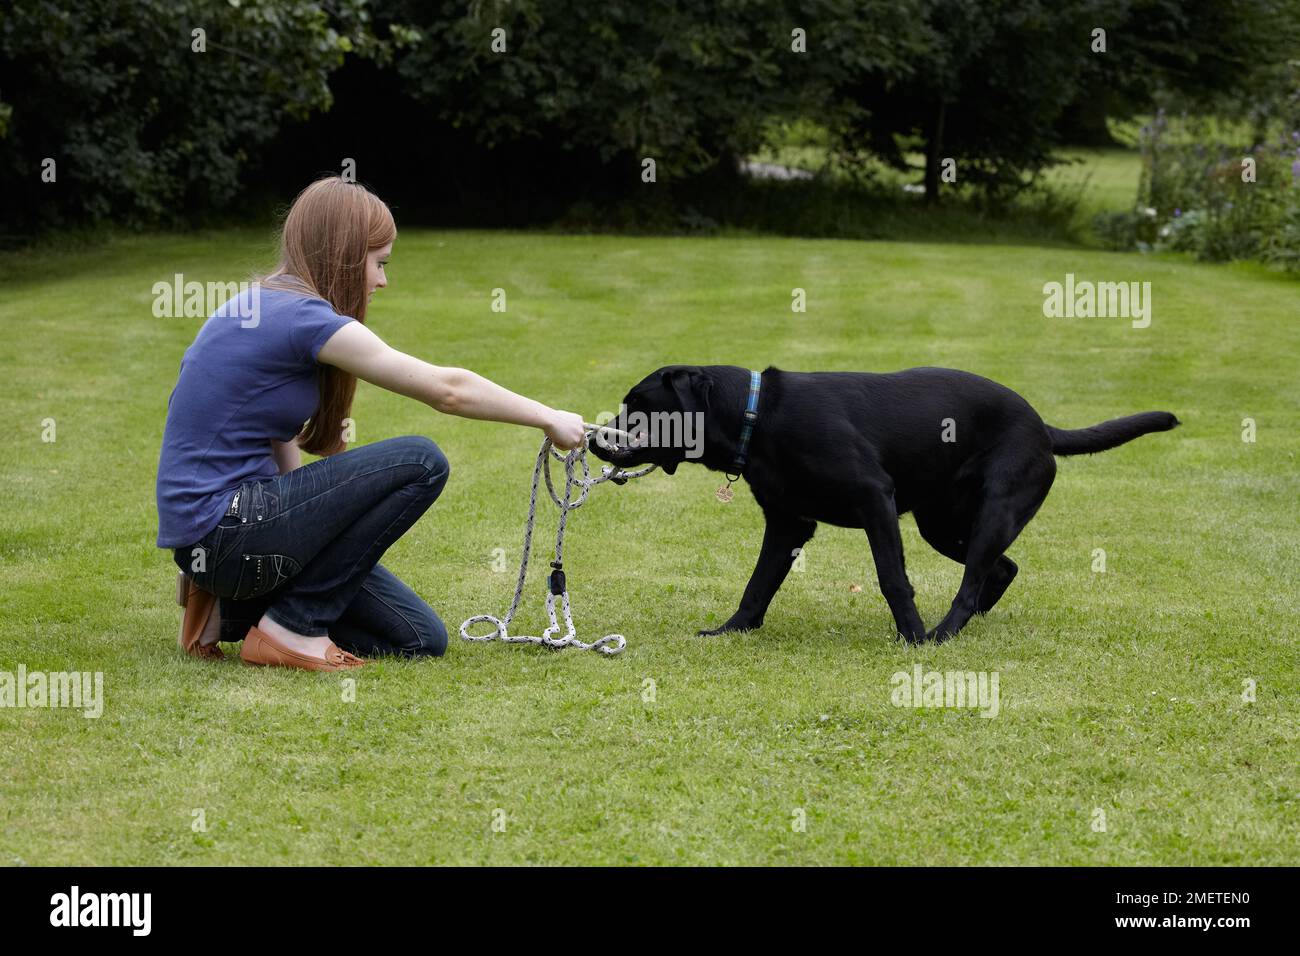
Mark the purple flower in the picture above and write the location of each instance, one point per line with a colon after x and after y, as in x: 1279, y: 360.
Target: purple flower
x: 1295, y: 135
x: 1295, y: 169
x: 1177, y: 212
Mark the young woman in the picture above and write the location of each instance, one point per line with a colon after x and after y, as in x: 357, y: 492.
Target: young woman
x: 285, y: 556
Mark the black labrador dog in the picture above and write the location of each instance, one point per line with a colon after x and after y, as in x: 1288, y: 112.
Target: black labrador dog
x: 969, y: 457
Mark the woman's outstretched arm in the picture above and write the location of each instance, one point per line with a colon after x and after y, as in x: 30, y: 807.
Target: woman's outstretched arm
x: 454, y: 391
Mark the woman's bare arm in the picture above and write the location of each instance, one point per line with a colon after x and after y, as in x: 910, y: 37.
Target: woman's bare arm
x: 454, y: 391
x: 287, y: 455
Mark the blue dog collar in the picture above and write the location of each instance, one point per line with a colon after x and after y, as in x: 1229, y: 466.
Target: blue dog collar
x: 747, y: 429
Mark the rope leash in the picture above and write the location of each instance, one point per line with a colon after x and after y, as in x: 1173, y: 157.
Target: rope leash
x: 557, y: 588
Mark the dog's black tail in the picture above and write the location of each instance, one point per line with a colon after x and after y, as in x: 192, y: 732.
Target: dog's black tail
x: 1117, y: 431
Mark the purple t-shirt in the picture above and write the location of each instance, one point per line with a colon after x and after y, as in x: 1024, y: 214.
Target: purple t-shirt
x: 249, y: 376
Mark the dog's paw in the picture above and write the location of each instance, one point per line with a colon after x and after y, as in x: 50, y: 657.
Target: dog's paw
x: 727, y: 628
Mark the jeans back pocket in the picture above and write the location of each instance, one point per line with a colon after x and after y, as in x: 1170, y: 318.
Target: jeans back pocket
x: 262, y: 573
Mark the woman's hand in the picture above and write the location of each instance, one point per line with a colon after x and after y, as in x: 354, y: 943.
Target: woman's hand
x: 565, y: 430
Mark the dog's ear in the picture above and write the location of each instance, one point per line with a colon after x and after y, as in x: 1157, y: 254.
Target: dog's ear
x: 691, y: 386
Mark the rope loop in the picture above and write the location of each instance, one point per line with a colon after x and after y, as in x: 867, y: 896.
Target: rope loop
x: 610, y: 644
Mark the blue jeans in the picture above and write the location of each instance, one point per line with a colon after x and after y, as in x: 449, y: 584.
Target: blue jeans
x: 304, y: 547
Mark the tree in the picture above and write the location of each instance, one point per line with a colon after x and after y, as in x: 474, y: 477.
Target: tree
x: 151, y: 109
x: 1205, y: 54
x: 995, y: 81
x: 690, y: 83
x: 985, y: 90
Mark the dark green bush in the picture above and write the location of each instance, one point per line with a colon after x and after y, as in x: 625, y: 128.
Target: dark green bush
x: 144, y: 129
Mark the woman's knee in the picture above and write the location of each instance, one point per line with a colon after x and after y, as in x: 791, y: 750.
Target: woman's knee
x: 430, y: 636
x: 416, y: 630
x: 426, y: 452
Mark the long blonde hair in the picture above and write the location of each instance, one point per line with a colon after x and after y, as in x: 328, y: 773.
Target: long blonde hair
x: 330, y: 228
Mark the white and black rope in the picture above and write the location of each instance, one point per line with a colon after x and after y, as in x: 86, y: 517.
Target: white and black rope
x: 610, y: 643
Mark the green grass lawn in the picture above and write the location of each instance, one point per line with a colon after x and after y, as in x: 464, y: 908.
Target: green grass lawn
x: 1060, y: 206
x: 1119, y: 691
x: 1106, y: 180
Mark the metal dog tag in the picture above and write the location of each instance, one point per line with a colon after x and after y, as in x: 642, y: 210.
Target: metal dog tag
x: 724, y: 493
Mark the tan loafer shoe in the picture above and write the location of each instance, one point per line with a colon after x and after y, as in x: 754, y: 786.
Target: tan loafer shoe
x: 261, y: 648
x: 198, y: 605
